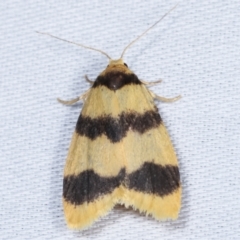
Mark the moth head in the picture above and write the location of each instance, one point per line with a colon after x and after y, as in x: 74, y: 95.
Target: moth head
x: 117, y: 66
x: 117, y: 63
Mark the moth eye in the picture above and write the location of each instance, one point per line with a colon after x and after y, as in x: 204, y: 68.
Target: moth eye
x: 126, y: 65
x: 107, y: 65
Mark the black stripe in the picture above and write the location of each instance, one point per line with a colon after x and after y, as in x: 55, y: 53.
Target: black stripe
x: 115, y: 80
x: 88, y: 186
x: 116, y: 128
x: 155, y: 179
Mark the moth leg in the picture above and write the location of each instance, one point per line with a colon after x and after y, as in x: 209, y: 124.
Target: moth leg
x: 165, y: 99
x: 151, y: 83
x: 88, y: 80
x: 70, y: 102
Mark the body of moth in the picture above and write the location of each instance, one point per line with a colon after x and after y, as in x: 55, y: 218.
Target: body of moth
x: 120, y: 153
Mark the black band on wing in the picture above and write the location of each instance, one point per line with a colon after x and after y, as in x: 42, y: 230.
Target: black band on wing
x: 155, y: 179
x: 116, y: 128
x: 88, y: 186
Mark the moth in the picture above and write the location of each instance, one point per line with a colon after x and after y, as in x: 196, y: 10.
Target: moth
x: 120, y: 151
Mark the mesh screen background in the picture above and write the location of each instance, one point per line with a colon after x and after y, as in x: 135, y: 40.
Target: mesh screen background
x: 195, y: 50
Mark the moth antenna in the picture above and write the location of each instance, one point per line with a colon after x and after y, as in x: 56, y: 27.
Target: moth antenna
x: 78, y: 44
x: 131, y: 43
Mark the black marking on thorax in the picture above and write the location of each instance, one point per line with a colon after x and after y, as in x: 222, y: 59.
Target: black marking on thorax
x: 115, y: 80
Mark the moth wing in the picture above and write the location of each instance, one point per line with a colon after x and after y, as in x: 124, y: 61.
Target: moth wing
x: 120, y: 152
x: 94, y: 169
x: 152, y: 184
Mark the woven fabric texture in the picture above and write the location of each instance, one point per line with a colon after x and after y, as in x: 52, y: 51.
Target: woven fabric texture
x: 195, y: 50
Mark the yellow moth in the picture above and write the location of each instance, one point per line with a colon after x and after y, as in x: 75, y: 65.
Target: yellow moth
x: 120, y: 151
